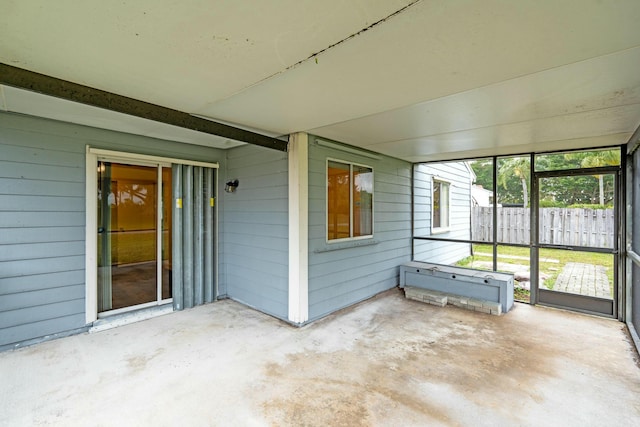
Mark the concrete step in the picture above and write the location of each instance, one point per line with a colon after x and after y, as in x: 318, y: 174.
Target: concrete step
x: 424, y: 295
x: 441, y: 299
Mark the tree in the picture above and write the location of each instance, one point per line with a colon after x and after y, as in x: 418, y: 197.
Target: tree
x: 596, y: 159
x: 518, y: 167
x: 511, y: 189
x: 564, y: 191
x: 513, y: 178
x: 483, y: 169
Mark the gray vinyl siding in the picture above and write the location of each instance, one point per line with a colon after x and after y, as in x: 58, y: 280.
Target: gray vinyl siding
x: 342, y: 274
x: 256, y: 233
x: 42, y: 219
x: 458, y: 175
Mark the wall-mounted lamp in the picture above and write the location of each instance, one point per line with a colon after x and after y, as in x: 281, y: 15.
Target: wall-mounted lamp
x: 231, y: 186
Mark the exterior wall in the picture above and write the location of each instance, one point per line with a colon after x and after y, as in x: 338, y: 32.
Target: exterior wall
x: 42, y: 219
x: 341, y: 274
x: 459, y: 176
x: 256, y: 252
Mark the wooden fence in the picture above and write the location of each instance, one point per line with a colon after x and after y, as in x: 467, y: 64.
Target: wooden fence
x: 558, y: 226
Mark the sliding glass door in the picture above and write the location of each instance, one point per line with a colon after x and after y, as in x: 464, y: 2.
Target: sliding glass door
x: 134, y: 236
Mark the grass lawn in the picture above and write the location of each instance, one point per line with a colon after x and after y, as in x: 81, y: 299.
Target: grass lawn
x: 135, y: 247
x: 551, y: 262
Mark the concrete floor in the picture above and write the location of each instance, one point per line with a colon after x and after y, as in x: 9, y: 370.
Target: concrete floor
x: 387, y: 361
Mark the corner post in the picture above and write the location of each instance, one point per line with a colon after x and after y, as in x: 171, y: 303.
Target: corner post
x: 298, y: 227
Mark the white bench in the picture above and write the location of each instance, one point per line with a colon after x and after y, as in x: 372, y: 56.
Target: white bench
x: 463, y: 287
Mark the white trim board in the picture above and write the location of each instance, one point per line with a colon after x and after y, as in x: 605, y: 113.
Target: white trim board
x: 441, y: 230
x: 119, y: 155
x: 91, y: 238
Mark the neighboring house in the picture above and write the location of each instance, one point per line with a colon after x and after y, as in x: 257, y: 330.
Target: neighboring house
x: 481, y: 196
x: 442, y: 210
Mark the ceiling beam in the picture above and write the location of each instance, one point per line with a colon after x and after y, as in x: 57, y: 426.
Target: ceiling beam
x: 47, y: 85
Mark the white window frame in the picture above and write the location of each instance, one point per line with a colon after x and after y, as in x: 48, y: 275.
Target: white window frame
x: 447, y: 228
x: 326, y: 180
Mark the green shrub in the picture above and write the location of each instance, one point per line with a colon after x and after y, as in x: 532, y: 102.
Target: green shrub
x: 465, y: 261
x: 589, y: 206
x: 550, y: 204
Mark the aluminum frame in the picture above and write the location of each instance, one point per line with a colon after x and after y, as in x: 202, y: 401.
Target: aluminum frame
x: 620, y: 197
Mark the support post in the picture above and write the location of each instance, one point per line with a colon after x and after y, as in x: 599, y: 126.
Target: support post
x: 298, y: 228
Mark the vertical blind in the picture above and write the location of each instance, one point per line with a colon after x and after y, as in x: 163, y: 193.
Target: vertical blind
x: 193, y: 257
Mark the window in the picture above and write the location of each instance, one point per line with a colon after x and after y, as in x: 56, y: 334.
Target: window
x: 440, y: 206
x: 349, y: 200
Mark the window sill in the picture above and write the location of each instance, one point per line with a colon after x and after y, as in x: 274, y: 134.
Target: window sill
x: 346, y: 245
x: 440, y: 230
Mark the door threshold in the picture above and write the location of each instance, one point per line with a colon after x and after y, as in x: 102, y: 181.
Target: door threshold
x: 130, y: 317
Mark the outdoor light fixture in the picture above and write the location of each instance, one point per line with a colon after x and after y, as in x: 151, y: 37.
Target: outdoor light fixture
x: 231, y: 186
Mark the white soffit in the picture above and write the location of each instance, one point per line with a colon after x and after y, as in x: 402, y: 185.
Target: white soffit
x: 562, y: 108
x: 35, y: 104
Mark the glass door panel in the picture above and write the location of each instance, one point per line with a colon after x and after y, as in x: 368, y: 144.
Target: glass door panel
x: 166, y: 233
x: 127, y: 235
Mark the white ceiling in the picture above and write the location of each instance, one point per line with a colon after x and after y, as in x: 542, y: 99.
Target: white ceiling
x: 419, y: 80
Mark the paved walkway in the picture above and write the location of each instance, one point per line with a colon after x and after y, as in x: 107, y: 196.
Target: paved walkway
x: 583, y: 279
x: 575, y: 277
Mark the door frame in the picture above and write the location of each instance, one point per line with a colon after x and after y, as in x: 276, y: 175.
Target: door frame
x: 93, y: 155
x: 582, y: 303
